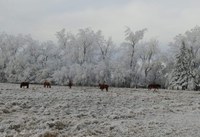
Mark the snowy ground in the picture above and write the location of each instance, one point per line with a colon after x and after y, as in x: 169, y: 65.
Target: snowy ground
x: 87, y: 111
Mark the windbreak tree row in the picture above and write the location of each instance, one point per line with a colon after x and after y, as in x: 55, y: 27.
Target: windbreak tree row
x: 88, y: 58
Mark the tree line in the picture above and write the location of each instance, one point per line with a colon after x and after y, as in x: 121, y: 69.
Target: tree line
x: 88, y: 58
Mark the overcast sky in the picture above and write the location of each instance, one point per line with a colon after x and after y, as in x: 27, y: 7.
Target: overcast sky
x: 164, y: 19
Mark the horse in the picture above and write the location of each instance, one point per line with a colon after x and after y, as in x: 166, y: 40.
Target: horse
x: 197, y: 88
x: 102, y: 86
x: 23, y: 84
x: 47, y: 84
x: 70, y: 84
x: 154, y: 86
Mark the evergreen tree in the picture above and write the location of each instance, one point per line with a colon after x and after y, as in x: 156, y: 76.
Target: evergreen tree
x: 180, y: 73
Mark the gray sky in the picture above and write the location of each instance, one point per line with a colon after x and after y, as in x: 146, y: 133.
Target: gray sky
x: 164, y: 19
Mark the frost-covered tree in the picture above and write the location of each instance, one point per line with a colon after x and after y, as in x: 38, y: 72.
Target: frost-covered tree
x: 132, y: 38
x: 67, y: 46
x: 65, y: 55
x: 191, y: 41
x: 180, y: 74
x: 148, y: 54
x: 129, y: 58
x: 105, y: 51
x: 118, y: 76
x: 87, y: 45
x: 89, y: 51
x: 10, y: 46
x: 157, y: 73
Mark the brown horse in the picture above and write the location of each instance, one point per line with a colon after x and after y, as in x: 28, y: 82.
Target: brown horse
x: 197, y: 88
x: 102, y: 86
x: 154, y: 86
x: 70, y: 84
x: 24, y: 84
x: 47, y: 84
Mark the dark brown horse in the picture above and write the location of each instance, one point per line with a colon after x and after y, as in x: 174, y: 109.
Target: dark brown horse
x: 24, y: 84
x: 102, y: 86
x: 197, y: 88
x: 154, y: 86
x: 47, y: 84
x: 70, y: 84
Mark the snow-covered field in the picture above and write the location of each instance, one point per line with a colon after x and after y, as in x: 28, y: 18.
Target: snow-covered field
x: 87, y: 111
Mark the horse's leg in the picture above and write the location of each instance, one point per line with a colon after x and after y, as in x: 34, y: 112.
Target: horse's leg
x: 155, y: 90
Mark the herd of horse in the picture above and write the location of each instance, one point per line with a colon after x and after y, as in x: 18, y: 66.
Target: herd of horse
x: 46, y: 84
x: 102, y: 86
